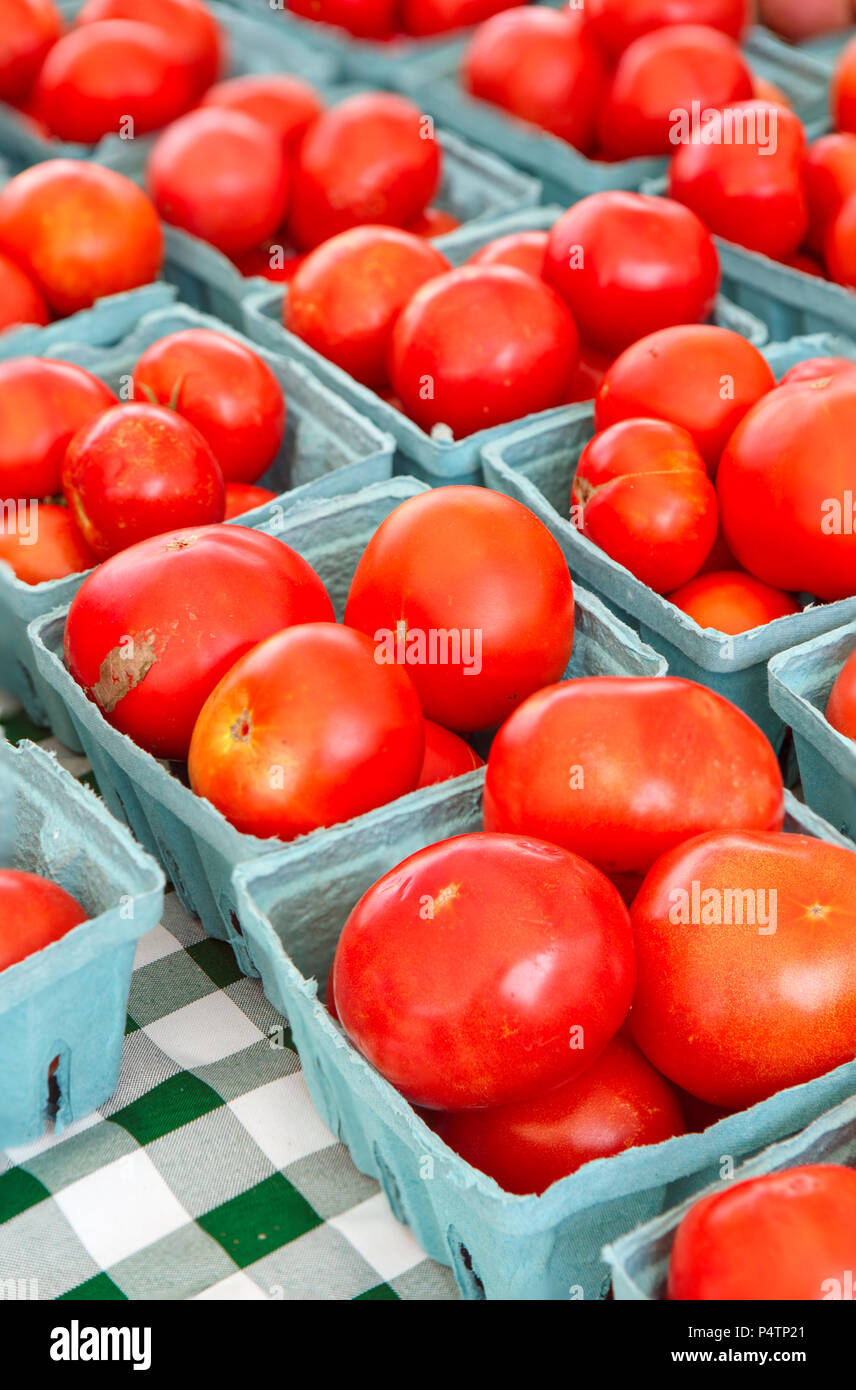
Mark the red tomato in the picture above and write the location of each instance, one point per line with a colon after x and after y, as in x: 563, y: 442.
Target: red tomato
x: 817, y: 368
x: 425, y: 17
x: 656, y: 82
x: 618, y: 1103
x: 720, y: 558
x: 30, y: 28
x: 470, y: 592
x: 732, y: 602
x: 830, y: 180
x: 80, y: 231
x: 796, y: 20
x: 750, y: 191
x: 365, y: 19
x: 48, y: 545
x: 446, y: 755
x: 841, y: 245
x: 218, y: 175
x: 543, y: 67
x: 539, y: 980
x: 196, y: 40
x: 304, y: 731
x: 347, y: 294
x: 746, y: 949
x: 616, y: 23
x: 627, y: 264
x: 42, y: 404
x: 434, y: 222
x: 226, y: 391
x: 281, y: 101
x: 191, y: 603
x: 842, y: 93
x: 807, y: 264
x: 783, y: 1236
x: 680, y: 375
x: 841, y: 706
x: 785, y: 487
x: 482, y: 345
x: 372, y: 158
x: 272, y: 261
x: 591, y: 369
x: 608, y: 767
x: 522, y: 250
x: 644, y: 497
x: 33, y: 913
x: 764, y: 90
x: 20, y: 298
x: 139, y: 470
x: 111, y: 78
x: 243, y: 497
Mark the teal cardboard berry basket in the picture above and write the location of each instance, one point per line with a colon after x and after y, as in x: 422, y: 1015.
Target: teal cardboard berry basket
x: 63, y: 1009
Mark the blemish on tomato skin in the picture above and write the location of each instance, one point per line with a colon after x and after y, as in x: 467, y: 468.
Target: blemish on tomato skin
x: 121, y: 672
x: 241, y: 729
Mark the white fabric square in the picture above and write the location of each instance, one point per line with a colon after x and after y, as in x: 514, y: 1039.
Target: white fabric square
x: 238, y: 1288
x: 282, y: 1120
x: 383, y: 1242
x: 203, y: 1032
x: 156, y: 944
x: 122, y: 1208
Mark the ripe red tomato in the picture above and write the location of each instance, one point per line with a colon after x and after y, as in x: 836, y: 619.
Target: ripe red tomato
x: 841, y: 706
x: 732, y: 602
x: 372, y: 158
x: 424, y: 17
x: 80, y: 231
x: 841, y: 245
x: 42, y: 404
x: 785, y: 487
x: 244, y: 497
x: 20, y: 298
x: 217, y: 174
x: 543, y: 67
x: 698, y: 376
x: 446, y: 755
x: 108, y: 78
x: 783, y: 1236
x: 470, y: 592
x: 273, y: 261
x: 842, y: 93
x: 482, y: 345
x: 618, y: 1103
x: 281, y: 101
x: 645, y: 498
x: 627, y: 264
x: 434, y: 222
x: 347, y: 294
x: 365, y: 19
x: 750, y: 191
x: 152, y: 630
x: 226, y: 391
x: 538, y: 982
x: 830, y: 180
x: 591, y: 369
x: 607, y: 767
x: 816, y: 368
x: 656, y: 82
x: 746, y: 948
x: 48, y: 546
x: 30, y: 28
x: 33, y: 913
x: 616, y: 23
x: 196, y: 40
x: 522, y: 250
x: 797, y: 21
x: 307, y: 730
x: 807, y: 264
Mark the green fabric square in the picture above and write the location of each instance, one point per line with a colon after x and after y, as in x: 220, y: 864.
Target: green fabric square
x: 167, y: 1107
x: 18, y: 1192
x: 261, y: 1220
x: 217, y: 960
x: 99, y: 1289
x: 379, y: 1292
x: 131, y: 1025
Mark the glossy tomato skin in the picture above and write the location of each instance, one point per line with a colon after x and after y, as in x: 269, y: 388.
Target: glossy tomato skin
x: 422, y: 18
x: 796, y: 21
x: 785, y: 488
x: 235, y: 585
x: 619, y: 1102
x: 462, y: 1027
x: 830, y: 179
x: 279, y: 100
x: 344, y: 733
x: 43, y: 403
x: 348, y: 293
x: 541, y: 66
x: 481, y: 566
x: 745, y: 192
x: 644, y: 497
x: 627, y: 265
x: 841, y: 245
x: 79, y: 231
x: 196, y: 40
x: 783, y: 1236
x: 522, y: 250
x: 816, y: 368
x: 841, y: 705
x: 728, y: 972
x: 20, y: 298
x: 218, y: 174
x: 225, y: 390
x: 33, y: 913
x: 732, y: 602
x: 137, y: 471
x: 244, y: 497
x: 482, y: 345
x: 842, y: 94
x: 446, y: 755
x: 52, y: 550
x: 434, y: 222
x: 30, y: 28
x: 617, y: 23
x: 678, y: 375
x: 662, y: 73
x: 608, y: 767
x: 365, y: 19
x: 372, y: 158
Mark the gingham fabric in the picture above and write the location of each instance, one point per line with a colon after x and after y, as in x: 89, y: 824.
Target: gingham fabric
x: 209, y: 1174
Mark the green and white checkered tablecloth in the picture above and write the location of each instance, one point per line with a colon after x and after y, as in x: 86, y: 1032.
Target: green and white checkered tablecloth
x: 209, y: 1174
